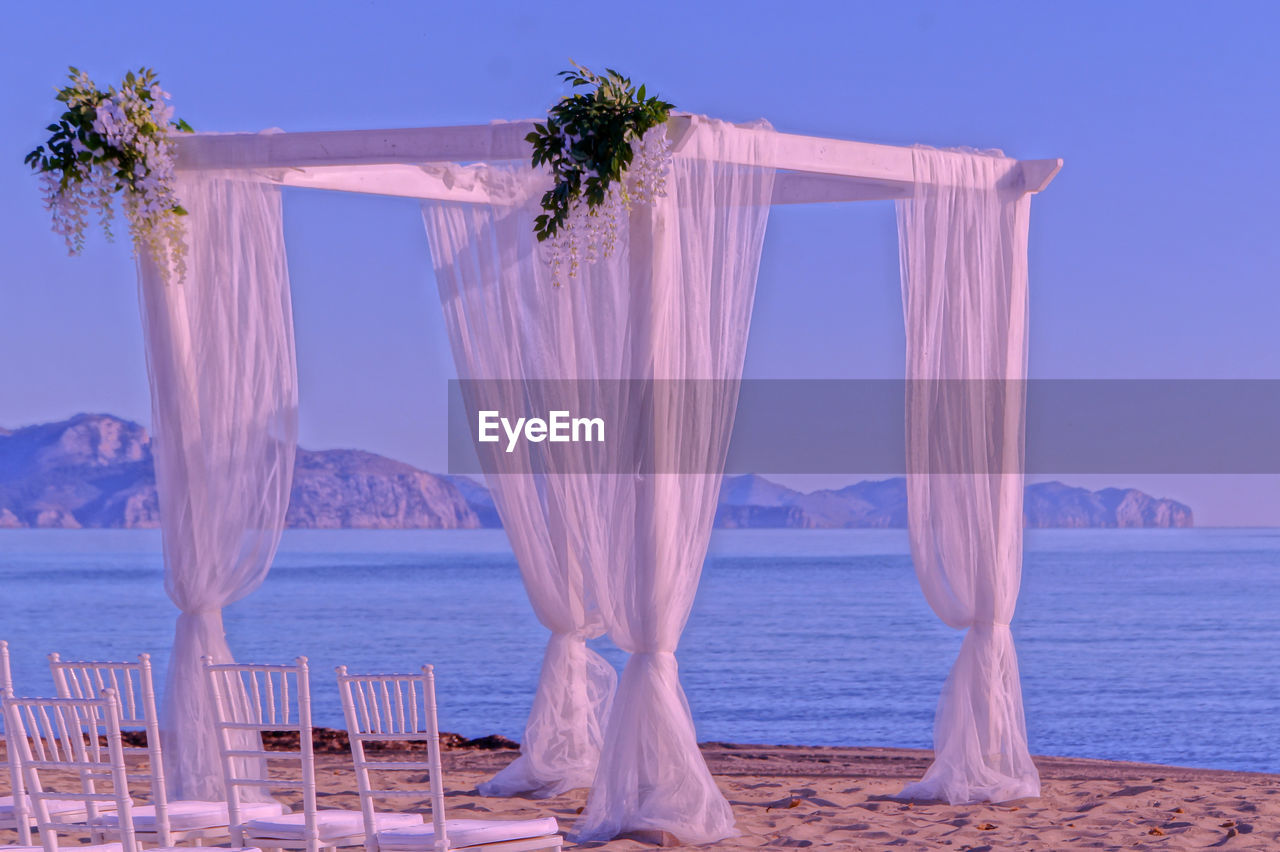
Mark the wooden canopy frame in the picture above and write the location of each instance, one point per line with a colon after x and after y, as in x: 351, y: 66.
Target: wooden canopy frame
x: 417, y: 163
x: 811, y: 169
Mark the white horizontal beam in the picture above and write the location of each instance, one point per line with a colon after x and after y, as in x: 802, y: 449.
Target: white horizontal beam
x: 811, y: 169
x: 1036, y: 174
x: 467, y: 143
x: 809, y: 188
x: 408, y: 181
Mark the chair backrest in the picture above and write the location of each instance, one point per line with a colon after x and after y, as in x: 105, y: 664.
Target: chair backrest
x: 21, y: 818
x: 250, y: 700
x: 6, y: 674
x: 136, y: 697
x: 59, y: 739
x: 386, y: 708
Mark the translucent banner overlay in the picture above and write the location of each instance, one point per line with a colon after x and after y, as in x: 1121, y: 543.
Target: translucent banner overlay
x: 830, y: 426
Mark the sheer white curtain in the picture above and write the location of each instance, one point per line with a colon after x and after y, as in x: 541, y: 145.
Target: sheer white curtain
x: 224, y: 397
x: 963, y: 241
x: 611, y: 544
x: 508, y: 323
x: 693, y: 260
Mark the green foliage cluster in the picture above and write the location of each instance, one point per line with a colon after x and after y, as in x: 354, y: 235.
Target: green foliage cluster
x: 587, y: 138
x: 59, y: 154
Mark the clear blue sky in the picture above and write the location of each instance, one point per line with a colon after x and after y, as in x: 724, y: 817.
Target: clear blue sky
x: 1154, y: 254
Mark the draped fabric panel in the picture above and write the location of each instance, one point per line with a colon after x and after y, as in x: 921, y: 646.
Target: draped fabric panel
x: 963, y: 243
x: 507, y: 322
x: 224, y: 397
x: 613, y: 544
x: 693, y: 261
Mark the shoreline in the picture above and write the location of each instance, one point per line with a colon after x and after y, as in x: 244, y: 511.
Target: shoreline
x: 464, y: 530
x: 843, y: 797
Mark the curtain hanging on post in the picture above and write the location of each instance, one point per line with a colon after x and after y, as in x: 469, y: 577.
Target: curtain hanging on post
x: 963, y: 245
x: 693, y: 260
x: 509, y: 327
x: 603, y: 544
x: 224, y: 404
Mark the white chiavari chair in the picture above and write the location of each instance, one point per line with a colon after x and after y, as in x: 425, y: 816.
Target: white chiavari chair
x: 68, y: 748
x: 163, y: 821
x: 15, y: 809
x: 386, y: 709
x: 250, y: 700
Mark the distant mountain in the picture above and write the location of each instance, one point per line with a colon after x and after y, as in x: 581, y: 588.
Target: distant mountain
x: 754, y: 490
x: 751, y: 500
x: 89, y: 471
x: 1053, y: 504
x: 732, y: 517
x: 95, y: 470
x: 343, y: 489
x: 478, y: 498
x: 870, y: 503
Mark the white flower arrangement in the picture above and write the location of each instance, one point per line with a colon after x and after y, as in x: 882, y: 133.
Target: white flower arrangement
x: 589, y: 234
x: 608, y: 151
x: 115, y: 141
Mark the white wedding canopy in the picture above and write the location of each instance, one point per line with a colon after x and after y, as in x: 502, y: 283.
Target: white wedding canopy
x: 605, y: 553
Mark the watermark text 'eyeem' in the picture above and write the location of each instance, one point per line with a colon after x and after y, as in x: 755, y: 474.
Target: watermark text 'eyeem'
x: 558, y: 427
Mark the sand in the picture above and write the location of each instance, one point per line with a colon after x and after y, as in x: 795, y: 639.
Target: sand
x: 841, y: 798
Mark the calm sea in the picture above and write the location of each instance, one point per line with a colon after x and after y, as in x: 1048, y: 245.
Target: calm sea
x: 1151, y: 645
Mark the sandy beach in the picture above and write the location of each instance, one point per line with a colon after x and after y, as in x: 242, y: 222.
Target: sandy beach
x: 841, y: 798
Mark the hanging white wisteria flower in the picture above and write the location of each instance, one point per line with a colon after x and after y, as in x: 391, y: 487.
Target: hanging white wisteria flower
x: 607, y: 149
x: 115, y: 141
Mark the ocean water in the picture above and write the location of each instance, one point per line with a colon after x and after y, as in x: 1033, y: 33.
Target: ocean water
x: 1150, y: 645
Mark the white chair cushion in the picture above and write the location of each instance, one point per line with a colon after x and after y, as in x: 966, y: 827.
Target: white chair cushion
x: 332, y: 824
x: 467, y: 832
x: 181, y: 848
x: 100, y: 847
x: 57, y: 807
x: 191, y: 815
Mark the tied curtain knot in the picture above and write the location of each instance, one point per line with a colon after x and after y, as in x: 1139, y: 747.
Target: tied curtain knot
x: 566, y: 637
x: 561, y: 743
x: 621, y: 545
x: 652, y: 776
x: 963, y: 254
x: 657, y: 666
x: 224, y: 404
x: 653, y: 657
x: 203, y: 628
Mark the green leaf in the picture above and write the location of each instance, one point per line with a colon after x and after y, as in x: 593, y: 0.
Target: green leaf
x: 587, y: 141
